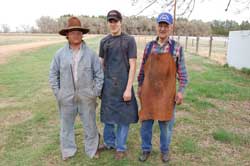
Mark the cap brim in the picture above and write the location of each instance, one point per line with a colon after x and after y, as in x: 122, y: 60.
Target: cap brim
x: 113, y: 18
x: 64, y: 32
x: 169, y: 23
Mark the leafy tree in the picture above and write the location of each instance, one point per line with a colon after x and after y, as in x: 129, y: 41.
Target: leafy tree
x: 5, y: 28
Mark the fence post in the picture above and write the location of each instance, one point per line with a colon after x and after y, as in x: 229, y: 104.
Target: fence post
x: 197, y: 44
x: 192, y: 42
x: 178, y: 39
x: 210, y: 45
x: 186, y: 43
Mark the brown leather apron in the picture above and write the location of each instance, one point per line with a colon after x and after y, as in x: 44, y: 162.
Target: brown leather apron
x: 158, y: 88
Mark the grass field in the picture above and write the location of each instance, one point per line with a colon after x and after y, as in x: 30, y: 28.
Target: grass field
x: 212, y: 126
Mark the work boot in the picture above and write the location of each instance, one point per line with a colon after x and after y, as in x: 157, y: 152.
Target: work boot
x: 164, y: 157
x: 144, y: 156
x: 120, y: 155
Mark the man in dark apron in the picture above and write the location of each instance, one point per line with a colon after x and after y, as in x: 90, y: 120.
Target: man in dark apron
x: 163, y: 59
x: 118, y: 107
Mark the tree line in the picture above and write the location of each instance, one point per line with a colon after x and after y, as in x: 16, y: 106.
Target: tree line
x: 139, y: 25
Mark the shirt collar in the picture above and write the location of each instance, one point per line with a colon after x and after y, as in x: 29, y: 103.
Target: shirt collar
x: 166, y: 42
x: 81, y: 46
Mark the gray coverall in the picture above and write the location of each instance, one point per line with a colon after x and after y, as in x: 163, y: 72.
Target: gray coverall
x: 77, y: 97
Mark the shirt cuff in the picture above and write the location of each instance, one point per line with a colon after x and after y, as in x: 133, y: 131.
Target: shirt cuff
x: 181, y: 90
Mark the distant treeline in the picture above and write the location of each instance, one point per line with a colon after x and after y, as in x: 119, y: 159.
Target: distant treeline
x: 140, y: 25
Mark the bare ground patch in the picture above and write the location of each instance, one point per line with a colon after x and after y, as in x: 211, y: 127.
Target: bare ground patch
x: 10, y: 119
x: 3, y: 89
x: 232, y: 105
x: 218, y: 57
x: 234, y: 116
x: 13, y: 118
x: 224, y: 152
x: 182, y: 114
x: 8, y: 102
x: 209, y: 150
x: 196, y: 67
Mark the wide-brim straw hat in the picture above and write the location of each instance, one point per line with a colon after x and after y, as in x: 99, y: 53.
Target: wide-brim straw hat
x: 73, y: 24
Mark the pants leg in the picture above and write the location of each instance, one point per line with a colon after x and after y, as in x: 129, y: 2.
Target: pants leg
x: 146, y: 135
x: 87, y: 112
x: 109, y: 135
x: 166, y: 129
x: 121, y: 137
x: 67, y: 134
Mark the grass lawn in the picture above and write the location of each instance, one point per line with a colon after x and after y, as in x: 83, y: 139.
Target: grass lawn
x: 212, y: 126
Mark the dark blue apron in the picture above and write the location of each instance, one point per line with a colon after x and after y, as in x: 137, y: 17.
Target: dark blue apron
x: 113, y: 108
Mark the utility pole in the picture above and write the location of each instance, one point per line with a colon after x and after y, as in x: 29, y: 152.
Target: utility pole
x: 175, y: 1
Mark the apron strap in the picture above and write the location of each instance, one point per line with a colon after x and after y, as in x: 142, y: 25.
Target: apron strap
x: 124, y: 52
x: 172, y: 47
x: 106, y: 43
x: 149, y: 49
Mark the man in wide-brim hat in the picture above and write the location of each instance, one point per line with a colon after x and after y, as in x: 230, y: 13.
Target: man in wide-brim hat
x: 76, y: 78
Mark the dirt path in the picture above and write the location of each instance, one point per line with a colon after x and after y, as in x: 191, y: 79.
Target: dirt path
x: 7, y: 50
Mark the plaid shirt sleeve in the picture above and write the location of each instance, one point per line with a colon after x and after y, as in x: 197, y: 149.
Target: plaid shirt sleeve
x: 140, y: 77
x: 181, y: 72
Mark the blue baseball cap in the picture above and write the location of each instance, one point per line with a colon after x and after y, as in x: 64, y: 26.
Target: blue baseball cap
x: 165, y: 17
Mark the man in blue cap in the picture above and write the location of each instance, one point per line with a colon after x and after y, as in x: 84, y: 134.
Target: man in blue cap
x: 163, y: 60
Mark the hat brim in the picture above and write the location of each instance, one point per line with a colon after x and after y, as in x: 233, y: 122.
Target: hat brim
x: 64, y: 32
x: 169, y: 23
x: 113, y: 18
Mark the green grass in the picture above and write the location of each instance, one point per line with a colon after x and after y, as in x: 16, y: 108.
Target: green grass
x: 225, y: 136
x: 217, y: 98
x: 28, y: 71
x: 188, y: 145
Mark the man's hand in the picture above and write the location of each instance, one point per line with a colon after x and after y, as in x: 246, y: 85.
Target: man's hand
x: 127, y: 95
x: 179, y: 98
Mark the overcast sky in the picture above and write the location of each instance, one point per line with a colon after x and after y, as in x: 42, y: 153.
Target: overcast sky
x: 25, y: 12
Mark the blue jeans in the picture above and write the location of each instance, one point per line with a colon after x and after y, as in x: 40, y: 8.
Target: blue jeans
x: 166, y: 130
x: 116, y: 139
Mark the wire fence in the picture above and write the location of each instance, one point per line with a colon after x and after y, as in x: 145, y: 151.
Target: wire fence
x: 214, y: 48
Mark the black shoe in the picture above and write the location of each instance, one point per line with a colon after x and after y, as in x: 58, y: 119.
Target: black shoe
x: 164, y: 157
x: 144, y: 156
